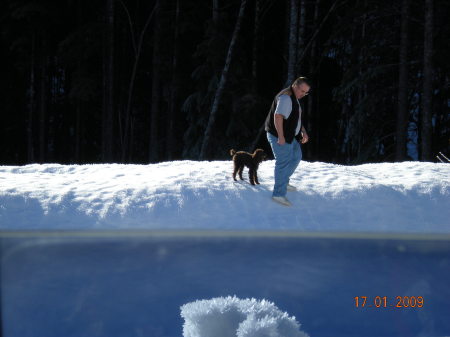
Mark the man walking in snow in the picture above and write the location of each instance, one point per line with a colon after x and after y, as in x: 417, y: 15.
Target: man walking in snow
x: 284, y: 129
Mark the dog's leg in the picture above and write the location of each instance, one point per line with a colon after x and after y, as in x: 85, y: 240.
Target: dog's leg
x: 241, y: 168
x: 256, y: 177
x: 235, y: 169
x: 251, y: 175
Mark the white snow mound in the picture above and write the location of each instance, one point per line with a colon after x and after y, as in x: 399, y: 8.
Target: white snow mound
x: 405, y: 197
x: 234, y: 317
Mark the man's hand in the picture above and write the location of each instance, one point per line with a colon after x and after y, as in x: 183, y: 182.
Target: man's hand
x: 281, y: 140
x: 305, y: 137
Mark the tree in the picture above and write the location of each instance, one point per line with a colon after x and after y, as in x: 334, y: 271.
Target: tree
x: 255, y: 46
x: 31, y: 100
x: 170, y: 131
x: 402, y: 105
x: 292, y: 45
x: 426, y: 127
x: 108, y: 84
x: 156, y: 90
x: 137, y: 42
x: 223, y: 79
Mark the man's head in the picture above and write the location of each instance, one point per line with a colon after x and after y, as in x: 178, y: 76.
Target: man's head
x: 301, y: 87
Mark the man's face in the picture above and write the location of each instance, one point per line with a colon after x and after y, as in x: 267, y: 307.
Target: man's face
x: 301, y: 91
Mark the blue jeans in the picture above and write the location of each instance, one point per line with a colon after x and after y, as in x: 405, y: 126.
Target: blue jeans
x: 287, y: 158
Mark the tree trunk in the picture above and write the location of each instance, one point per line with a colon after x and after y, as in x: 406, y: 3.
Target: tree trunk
x: 340, y: 138
x: 137, y: 47
x: 170, y: 143
x: 222, y: 82
x: 255, y: 49
x: 31, y: 101
x: 402, y: 107
x: 255, y: 69
x: 312, y: 60
x: 108, y: 84
x: 292, y: 49
x: 301, y: 36
x: 52, y: 115
x: 156, y: 89
x: 426, y: 127
x: 78, y: 104
x: 131, y: 145
x: 78, y: 132
x: 215, y: 12
x: 43, y: 104
x: 312, y: 65
x: 361, y: 91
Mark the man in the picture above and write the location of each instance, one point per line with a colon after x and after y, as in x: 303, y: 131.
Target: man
x: 284, y: 126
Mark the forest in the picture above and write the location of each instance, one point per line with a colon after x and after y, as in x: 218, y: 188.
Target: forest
x: 132, y: 81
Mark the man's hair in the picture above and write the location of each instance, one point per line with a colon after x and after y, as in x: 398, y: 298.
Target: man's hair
x: 297, y: 82
x: 300, y: 81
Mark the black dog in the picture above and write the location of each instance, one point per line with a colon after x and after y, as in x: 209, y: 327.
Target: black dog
x: 242, y: 158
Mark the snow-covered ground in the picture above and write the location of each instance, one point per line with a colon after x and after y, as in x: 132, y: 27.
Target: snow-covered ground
x: 405, y: 197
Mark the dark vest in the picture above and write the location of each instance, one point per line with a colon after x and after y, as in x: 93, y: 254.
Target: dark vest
x: 289, y: 124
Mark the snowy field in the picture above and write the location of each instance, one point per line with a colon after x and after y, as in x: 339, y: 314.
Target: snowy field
x: 408, y: 197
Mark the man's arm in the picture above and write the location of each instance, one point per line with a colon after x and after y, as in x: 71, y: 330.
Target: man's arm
x: 278, y: 120
x: 282, y: 111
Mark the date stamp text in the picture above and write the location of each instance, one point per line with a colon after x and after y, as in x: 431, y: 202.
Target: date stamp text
x: 387, y: 302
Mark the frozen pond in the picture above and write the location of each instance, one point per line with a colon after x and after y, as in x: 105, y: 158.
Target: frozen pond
x: 133, y: 283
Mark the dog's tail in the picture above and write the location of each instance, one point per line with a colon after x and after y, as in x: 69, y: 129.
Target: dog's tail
x: 232, y: 152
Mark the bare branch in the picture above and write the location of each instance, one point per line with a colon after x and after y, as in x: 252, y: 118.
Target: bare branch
x: 317, y: 31
x: 133, y: 38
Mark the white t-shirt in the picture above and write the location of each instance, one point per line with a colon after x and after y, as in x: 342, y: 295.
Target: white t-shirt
x: 284, y: 107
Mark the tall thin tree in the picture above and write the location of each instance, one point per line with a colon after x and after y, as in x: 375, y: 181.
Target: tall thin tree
x: 255, y: 47
x: 292, y: 43
x: 301, y: 36
x: 156, y: 88
x: 215, y: 9
x: 223, y: 80
x: 312, y: 66
x: 43, y: 100
x: 170, y: 133
x: 108, y: 84
x: 426, y: 126
x: 31, y: 100
x: 137, y: 43
x: 402, y: 105
x: 78, y: 102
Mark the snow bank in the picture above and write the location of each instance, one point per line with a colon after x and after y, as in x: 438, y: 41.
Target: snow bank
x: 389, y: 197
x: 231, y: 316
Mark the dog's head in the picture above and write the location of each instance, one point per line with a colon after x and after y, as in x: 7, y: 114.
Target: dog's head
x: 259, y: 155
